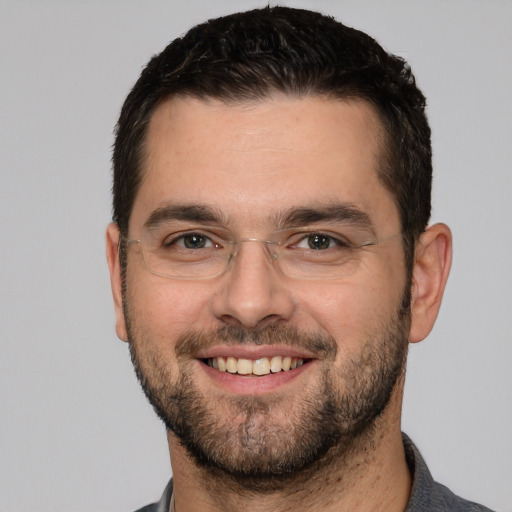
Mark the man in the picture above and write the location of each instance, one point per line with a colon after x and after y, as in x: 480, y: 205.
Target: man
x: 270, y: 262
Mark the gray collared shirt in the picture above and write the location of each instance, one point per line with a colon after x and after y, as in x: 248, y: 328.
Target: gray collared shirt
x: 426, y: 494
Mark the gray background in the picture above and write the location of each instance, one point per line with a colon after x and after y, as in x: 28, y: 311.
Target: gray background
x: 75, y: 431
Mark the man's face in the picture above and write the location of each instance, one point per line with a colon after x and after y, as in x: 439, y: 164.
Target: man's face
x: 256, y: 169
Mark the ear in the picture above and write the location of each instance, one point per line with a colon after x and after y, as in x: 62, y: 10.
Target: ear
x: 432, y: 262
x: 116, y: 282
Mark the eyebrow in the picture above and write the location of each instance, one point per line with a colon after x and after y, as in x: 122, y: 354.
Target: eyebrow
x: 292, y: 217
x: 338, y: 212
x: 184, y: 212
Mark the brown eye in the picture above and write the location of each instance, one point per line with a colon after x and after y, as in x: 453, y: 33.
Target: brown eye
x: 318, y: 241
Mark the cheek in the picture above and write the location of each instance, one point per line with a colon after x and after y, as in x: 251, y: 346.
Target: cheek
x: 163, y: 308
x: 350, y: 310
x: 340, y: 309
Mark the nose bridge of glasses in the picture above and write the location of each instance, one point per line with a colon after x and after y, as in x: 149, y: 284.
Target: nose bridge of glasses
x: 268, y: 246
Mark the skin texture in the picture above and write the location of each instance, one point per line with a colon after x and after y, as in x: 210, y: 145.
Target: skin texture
x: 252, y: 162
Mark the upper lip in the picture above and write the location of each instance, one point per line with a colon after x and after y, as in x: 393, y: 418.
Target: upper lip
x: 253, y: 352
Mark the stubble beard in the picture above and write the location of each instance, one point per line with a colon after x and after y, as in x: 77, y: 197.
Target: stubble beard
x: 247, y: 440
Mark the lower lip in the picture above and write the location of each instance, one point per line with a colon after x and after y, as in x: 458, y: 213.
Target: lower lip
x: 251, y: 384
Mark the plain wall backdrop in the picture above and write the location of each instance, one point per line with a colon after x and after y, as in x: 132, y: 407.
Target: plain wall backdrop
x: 76, y: 433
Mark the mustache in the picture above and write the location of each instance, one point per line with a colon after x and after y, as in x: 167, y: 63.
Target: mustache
x: 320, y: 344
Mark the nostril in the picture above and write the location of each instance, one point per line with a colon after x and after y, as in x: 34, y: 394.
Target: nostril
x: 269, y: 320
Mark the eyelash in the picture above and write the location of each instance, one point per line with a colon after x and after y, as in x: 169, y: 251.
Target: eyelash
x: 175, y: 239
x: 300, y: 238
x: 338, y: 240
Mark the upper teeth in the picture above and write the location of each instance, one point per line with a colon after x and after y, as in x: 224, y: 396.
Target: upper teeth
x: 262, y: 366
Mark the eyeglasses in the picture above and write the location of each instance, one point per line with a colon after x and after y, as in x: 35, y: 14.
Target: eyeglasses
x: 201, y: 252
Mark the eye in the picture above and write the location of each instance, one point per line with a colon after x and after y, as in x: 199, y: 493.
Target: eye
x: 191, y: 241
x: 320, y: 242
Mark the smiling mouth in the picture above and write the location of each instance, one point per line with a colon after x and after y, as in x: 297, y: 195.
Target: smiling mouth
x: 257, y: 367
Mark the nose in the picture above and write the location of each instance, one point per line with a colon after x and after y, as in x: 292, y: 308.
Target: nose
x: 253, y: 293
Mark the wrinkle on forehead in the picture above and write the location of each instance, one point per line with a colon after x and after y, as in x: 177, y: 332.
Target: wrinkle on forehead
x: 261, y: 120
x: 269, y: 157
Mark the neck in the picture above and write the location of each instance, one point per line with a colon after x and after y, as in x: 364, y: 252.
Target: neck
x: 370, y: 475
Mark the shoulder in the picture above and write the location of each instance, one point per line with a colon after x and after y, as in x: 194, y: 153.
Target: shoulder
x: 149, y: 508
x: 163, y: 504
x: 426, y: 493
x: 444, y: 499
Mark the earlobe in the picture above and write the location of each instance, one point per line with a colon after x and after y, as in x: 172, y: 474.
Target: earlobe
x: 432, y: 263
x: 116, y: 282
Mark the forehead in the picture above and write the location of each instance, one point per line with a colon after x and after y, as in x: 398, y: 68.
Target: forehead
x: 251, y: 160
